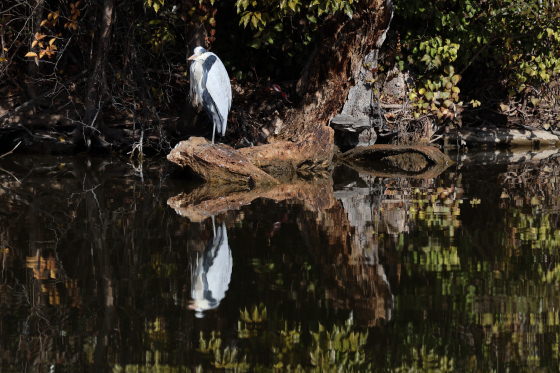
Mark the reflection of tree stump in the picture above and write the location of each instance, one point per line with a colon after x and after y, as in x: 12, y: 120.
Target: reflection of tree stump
x: 364, y: 289
x: 355, y: 280
x: 210, y: 200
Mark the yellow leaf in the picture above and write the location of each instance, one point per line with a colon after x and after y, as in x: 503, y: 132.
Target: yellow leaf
x: 42, y: 53
x: 43, y: 22
x: 34, y: 43
x: 39, y: 36
x: 52, y: 41
x: 31, y: 54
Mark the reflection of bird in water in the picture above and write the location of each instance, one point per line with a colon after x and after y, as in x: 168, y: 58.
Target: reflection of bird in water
x: 211, y: 272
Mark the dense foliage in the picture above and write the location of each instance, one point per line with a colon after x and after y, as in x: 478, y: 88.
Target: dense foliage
x: 512, y: 43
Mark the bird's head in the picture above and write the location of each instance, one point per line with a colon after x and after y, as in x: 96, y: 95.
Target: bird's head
x: 198, y: 51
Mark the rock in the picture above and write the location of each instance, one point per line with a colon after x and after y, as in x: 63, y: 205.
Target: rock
x: 394, y: 89
x: 344, y: 122
x: 360, y: 112
x: 351, y: 132
x: 367, y: 137
x: 359, y: 103
x: 218, y: 163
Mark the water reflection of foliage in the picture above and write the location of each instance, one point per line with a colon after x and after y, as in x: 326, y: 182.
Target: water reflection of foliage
x: 497, y: 289
x: 429, y: 224
x: 421, y: 359
x: 436, y: 209
x: 340, y: 348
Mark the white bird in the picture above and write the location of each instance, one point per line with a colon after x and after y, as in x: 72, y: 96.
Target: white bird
x: 210, y: 88
x: 211, y: 273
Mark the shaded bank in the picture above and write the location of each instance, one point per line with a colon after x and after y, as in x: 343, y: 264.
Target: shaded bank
x: 110, y: 105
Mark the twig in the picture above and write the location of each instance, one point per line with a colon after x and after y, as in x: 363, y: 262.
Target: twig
x: 436, y: 139
x: 391, y: 106
x: 11, y: 174
x: 11, y: 151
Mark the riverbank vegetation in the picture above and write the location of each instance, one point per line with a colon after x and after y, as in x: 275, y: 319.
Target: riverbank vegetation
x: 101, y: 74
x: 500, y: 55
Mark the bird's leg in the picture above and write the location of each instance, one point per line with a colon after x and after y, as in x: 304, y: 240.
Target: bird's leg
x: 213, y: 132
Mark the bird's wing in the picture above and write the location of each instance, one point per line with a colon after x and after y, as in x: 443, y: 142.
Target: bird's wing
x: 195, y: 88
x: 218, y: 86
x: 219, y: 273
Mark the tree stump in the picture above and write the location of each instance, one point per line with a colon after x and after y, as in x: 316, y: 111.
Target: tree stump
x: 221, y: 164
x: 218, y: 163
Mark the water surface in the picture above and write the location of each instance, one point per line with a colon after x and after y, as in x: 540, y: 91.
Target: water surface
x: 106, y: 266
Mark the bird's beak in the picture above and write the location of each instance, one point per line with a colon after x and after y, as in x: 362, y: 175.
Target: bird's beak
x: 191, y: 58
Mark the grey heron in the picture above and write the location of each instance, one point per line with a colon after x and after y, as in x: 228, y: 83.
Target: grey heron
x: 210, y: 88
x: 211, y: 273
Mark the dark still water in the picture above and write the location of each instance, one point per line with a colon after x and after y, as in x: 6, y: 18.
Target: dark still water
x: 105, y: 267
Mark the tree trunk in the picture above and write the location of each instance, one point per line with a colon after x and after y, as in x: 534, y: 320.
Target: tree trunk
x: 97, y: 85
x: 334, y: 65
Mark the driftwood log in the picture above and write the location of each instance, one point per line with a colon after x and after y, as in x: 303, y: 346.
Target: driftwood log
x: 218, y: 163
x: 420, y: 161
x: 491, y: 137
x: 507, y: 157
x: 253, y: 167
x: 221, y: 164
